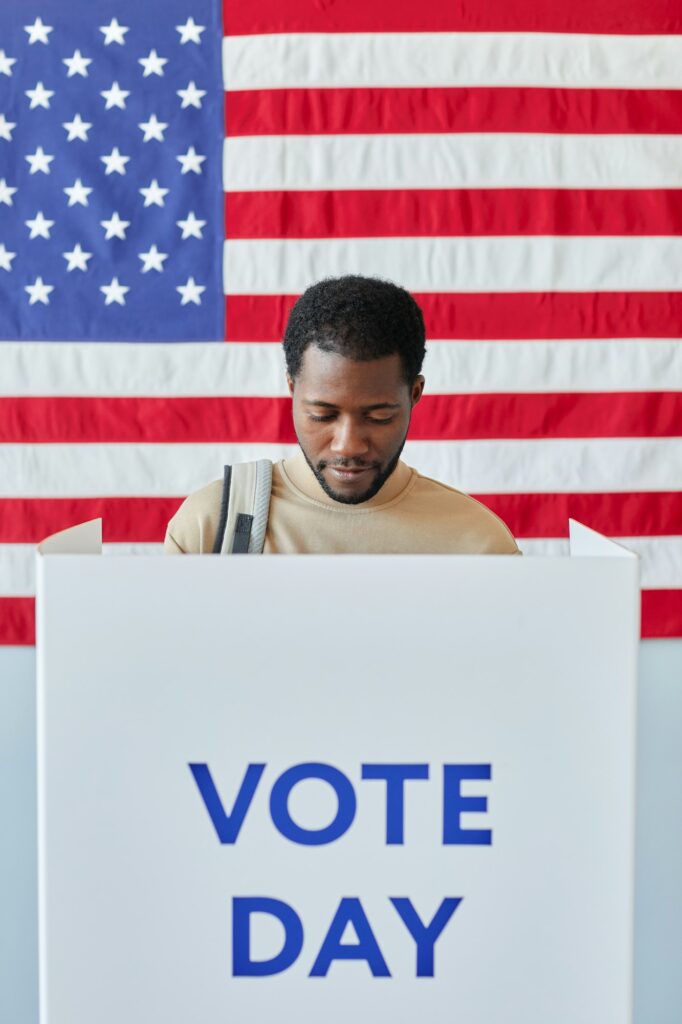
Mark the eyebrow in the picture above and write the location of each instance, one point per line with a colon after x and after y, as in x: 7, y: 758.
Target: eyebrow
x: 366, y: 408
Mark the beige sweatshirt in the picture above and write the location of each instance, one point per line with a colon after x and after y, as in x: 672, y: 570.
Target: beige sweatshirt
x: 411, y: 514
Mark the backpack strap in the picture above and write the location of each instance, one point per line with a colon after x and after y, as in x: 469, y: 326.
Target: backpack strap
x: 225, y: 501
x: 244, y: 508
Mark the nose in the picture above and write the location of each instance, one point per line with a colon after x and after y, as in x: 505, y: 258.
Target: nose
x: 349, y: 440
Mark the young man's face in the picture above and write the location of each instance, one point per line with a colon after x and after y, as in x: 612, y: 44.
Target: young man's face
x: 351, y: 419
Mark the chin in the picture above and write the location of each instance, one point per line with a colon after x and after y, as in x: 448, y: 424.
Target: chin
x: 381, y: 475
x: 349, y: 497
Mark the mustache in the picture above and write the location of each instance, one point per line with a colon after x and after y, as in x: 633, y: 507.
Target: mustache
x: 348, y: 464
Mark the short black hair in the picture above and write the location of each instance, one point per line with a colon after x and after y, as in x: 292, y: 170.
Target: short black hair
x: 362, y: 318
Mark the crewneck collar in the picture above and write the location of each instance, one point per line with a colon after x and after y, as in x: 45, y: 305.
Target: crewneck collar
x: 301, y: 476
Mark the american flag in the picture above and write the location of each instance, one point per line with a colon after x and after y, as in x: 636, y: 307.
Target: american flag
x: 173, y: 175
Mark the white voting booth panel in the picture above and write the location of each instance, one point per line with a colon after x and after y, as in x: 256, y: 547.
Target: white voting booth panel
x: 411, y: 795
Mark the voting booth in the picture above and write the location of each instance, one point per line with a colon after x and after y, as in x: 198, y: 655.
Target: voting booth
x: 336, y: 788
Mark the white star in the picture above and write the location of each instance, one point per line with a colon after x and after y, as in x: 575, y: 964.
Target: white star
x: 115, y: 97
x: 191, y: 96
x: 6, y: 193
x: 114, y: 292
x: 37, y: 32
x: 115, y: 228
x: 39, y: 292
x: 6, y: 64
x: 189, y: 32
x: 40, y: 226
x: 113, y: 32
x: 153, y: 129
x: 78, y: 193
x: 153, y: 195
x: 6, y: 128
x: 191, y: 161
x: 77, y: 129
x: 191, y: 227
x: 6, y: 258
x: 153, y: 64
x: 77, y: 259
x: 115, y: 162
x: 77, y: 65
x: 191, y: 292
x: 40, y: 96
x: 153, y: 260
x: 40, y: 161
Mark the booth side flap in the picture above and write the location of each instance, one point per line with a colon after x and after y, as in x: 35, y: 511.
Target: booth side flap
x: 83, y: 539
x: 586, y: 543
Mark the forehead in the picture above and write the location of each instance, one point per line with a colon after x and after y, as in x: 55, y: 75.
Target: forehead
x: 330, y: 377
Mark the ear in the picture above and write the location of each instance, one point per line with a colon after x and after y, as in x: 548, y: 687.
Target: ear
x: 417, y: 389
x: 290, y: 385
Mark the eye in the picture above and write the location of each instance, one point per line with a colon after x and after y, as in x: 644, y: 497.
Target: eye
x: 330, y: 416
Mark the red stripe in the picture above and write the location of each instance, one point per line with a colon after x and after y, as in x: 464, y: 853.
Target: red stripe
x: 661, y: 614
x: 17, y: 621
x: 627, y: 514
x: 236, y: 420
x: 661, y: 617
x: 143, y: 520
x: 440, y: 212
x: 495, y: 315
x: 492, y: 416
x: 124, y: 520
x: 472, y: 109
x: 626, y: 17
x: 102, y: 420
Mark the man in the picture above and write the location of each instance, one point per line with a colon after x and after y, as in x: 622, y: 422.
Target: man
x: 354, y: 348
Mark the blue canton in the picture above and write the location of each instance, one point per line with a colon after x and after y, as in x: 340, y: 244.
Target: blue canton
x: 111, y: 196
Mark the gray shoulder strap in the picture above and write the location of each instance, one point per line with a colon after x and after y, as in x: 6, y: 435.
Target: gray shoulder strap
x: 245, y: 508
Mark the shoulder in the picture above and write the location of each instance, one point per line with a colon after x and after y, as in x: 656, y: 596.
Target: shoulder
x: 193, y: 528
x: 480, y: 529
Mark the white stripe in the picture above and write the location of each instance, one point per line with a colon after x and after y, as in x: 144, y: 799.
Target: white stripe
x: 255, y: 163
x: 480, y: 367
x: 92, y: 470
x: 513, y: 264
x: 452, y: 59
x: 661, y: 564
x: 573, y: 465
x: 139, y: 370
x: 257, y: 368
x: 17, y: 564
x: 602, y: 464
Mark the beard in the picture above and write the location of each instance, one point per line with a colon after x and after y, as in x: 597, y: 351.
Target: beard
x: 381, y: 475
